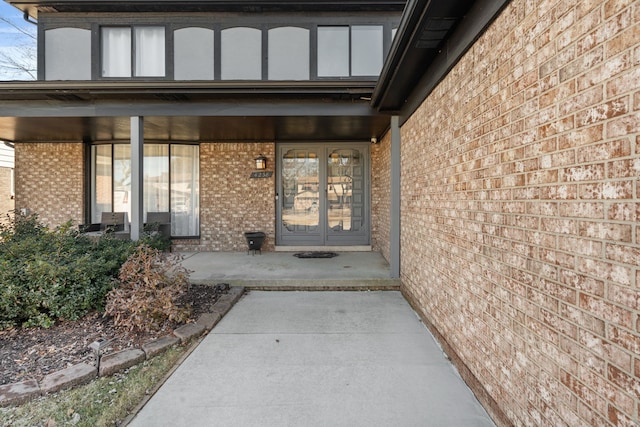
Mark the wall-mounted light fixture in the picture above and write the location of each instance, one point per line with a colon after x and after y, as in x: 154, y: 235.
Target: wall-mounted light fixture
x: 261, y: 162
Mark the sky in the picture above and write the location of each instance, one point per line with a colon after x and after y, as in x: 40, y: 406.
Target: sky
x: 12, y: 42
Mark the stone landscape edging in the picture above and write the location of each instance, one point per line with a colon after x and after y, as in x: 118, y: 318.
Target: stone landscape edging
x: 82, y: 373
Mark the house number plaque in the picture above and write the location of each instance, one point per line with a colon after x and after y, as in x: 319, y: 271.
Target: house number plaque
x: 262, y: 174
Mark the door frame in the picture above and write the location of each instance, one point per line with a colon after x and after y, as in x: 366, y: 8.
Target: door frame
x: 323, y: 237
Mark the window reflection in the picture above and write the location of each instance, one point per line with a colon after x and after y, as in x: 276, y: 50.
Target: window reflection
x: 344, y: 190
x: 300, y: 191
x: 171, y: 176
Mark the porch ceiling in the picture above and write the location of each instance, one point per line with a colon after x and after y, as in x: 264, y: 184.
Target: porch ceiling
x: 189, y: 128
x: 98, y: 111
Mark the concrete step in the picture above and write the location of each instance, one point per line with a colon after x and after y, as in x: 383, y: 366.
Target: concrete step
x: 318, y: 284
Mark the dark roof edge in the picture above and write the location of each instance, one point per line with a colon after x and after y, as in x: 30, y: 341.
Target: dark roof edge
x: 124, y: 87
x: 31, y: 7
x: 480, y: 16
x: 413, y: 12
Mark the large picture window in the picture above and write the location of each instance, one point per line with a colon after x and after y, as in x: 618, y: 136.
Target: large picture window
x: 171, y: 177
x: 133, y: 51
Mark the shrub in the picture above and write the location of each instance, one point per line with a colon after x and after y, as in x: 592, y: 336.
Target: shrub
x: 53, y: 274
x: 150, y: 283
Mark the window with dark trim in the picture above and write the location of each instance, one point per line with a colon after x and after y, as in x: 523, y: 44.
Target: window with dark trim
x: 171, y: 183
x: 137, y: 51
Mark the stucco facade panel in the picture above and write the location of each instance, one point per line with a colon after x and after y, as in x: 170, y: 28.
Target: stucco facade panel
x: 49, y: 181
x: 520, y: 203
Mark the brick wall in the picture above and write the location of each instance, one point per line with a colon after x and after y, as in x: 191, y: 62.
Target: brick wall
x: 6, y: 201
x: 49, y: 180
x: 230, y: 202
x: 380, y: 196
x: 521, y: 172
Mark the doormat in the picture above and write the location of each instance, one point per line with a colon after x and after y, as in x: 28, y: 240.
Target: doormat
x: 315, y: 254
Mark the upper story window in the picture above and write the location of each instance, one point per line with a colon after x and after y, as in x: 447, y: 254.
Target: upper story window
x: 288, y: 55
x: 137, y: 51
x: 350, y: 51
x: 241, y: 54
x: 214, y: 48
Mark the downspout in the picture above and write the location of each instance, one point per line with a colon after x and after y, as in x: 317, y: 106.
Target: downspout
x: 27, y: 18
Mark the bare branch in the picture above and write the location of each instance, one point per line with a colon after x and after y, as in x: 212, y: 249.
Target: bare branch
x: 18, y: 55
x: 28, y: 32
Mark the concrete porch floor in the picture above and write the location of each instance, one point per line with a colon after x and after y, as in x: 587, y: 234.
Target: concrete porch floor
x: 283, y: 271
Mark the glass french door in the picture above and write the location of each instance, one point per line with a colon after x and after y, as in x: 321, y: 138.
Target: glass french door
x: 323, y: 194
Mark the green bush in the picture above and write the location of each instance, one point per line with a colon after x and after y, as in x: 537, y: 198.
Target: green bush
x: 54, y: 274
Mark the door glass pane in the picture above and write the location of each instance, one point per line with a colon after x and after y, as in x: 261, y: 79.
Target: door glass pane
x: 300, y: 191
x: 150, y: 51
x: 288, y: 53
x: 116, y: 52
x: 122, y: 178
x: 333, y: 51
x: 241, y: 54
x: 156, y: 178
x: 100, y: 181
x: 366, y: 50
x: 345, y: 190
x: 185, y: 204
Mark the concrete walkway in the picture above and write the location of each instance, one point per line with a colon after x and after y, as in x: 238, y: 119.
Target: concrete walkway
x: 316, y: 359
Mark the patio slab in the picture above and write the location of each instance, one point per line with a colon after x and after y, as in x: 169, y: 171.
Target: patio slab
x: 283, y: 271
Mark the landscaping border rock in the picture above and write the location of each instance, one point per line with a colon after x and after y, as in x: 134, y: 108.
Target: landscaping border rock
x: 155, y: 347
x: 66, y: 378
x: 21, y: 392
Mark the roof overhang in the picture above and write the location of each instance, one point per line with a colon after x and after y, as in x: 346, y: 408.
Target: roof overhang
x: 189, y: 111
x: 32, y: 7
x: 432, y: 37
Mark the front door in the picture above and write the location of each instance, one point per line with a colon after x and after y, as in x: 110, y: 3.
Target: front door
x: 323, y: 194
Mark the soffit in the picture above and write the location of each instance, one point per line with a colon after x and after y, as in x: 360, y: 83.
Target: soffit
x: 97, y: 111
x: 193, y: 129
x: 432, y: 37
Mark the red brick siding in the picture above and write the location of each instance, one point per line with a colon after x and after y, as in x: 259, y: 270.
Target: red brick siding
x: 231, y: 203
x: 49, y: 181
x: 521, y: 172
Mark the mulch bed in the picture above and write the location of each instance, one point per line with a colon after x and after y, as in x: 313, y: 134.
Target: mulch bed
x: 27, y: 353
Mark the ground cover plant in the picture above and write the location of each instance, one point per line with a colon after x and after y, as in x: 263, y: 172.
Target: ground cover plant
x: 47, y: 275
x: 54, y: 285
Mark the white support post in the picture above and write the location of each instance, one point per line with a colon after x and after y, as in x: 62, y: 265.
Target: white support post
x: 137, y: 176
